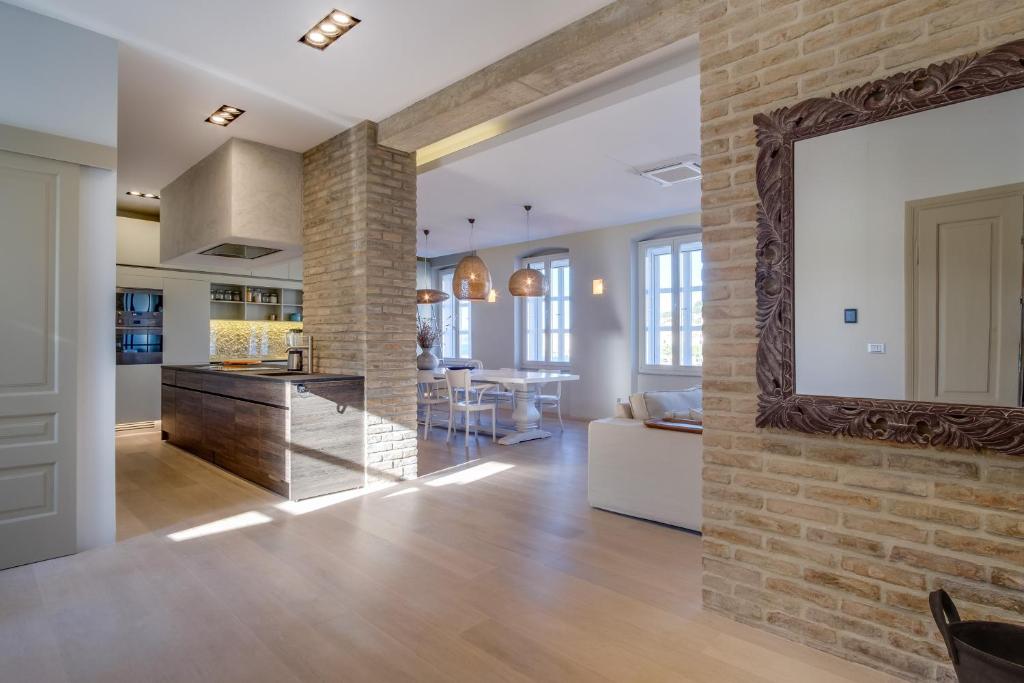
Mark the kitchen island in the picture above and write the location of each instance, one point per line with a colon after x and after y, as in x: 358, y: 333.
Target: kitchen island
x: 298, y: 434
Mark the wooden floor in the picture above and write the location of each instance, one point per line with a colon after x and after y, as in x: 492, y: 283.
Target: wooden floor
x: 494, y: 571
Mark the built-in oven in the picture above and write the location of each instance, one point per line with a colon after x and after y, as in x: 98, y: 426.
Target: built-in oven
x: 140, y: 326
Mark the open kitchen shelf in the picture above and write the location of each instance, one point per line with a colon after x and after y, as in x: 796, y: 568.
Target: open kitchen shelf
x: 288, y: 302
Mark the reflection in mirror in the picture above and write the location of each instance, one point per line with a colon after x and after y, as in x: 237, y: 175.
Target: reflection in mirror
x: 916, y: 224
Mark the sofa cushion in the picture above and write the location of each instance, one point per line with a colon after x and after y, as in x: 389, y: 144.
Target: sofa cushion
x: 657, y: 404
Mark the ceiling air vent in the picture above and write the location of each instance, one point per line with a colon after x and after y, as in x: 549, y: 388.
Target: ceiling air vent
x: 672, y: 173
x: 246, y: 251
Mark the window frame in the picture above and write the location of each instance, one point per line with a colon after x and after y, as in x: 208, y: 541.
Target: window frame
x: 675, y: 244
x: 457, y: 331
x: 546, y: 257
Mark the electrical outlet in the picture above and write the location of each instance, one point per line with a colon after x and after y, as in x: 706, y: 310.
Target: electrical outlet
x: 876, y: 348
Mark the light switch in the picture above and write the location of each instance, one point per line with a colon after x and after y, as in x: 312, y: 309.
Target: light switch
x: 876, y: 348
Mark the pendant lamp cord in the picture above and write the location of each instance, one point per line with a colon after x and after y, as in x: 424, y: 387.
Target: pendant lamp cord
x: 527, y: 207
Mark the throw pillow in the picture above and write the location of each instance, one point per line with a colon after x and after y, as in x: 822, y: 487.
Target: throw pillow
x: 623, y: 409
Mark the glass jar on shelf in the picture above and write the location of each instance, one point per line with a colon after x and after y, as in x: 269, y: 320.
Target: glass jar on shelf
x: 273, y: 297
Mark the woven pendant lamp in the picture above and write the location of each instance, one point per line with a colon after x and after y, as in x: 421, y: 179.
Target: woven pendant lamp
x: 428, y: 295
x: 472, y: 280
x: 527, y: 281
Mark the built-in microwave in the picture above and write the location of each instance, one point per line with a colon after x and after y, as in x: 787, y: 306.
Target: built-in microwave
x: 139, y: 328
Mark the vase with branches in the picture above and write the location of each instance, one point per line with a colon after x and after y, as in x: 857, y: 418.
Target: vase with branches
x: 428, y: 333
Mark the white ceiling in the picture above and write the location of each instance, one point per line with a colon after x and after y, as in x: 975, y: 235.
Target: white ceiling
x: 576, y: 168
x: 181, y: 60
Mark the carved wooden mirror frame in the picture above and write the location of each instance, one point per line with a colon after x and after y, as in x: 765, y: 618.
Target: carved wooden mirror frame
x: 779, y: 406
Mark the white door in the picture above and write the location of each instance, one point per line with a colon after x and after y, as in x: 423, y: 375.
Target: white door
x: 968, y: 299
x: 38, y: 312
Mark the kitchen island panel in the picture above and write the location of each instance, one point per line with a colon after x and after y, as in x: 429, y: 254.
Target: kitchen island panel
x: 299, y: 435
x: 327, y: 427
x: 188, y: 422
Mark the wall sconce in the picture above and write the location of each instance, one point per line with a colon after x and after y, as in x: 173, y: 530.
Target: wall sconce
x: 492, y: 296
x: 598, y: 287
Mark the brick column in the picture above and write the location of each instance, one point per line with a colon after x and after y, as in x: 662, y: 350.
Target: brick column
x: 359, y: 277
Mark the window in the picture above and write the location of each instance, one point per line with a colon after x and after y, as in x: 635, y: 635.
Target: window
x: 546, y: 329
x: 672, y: 300
x: 456, y: 319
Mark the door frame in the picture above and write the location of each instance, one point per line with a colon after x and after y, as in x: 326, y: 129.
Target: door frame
x: 914, y: 208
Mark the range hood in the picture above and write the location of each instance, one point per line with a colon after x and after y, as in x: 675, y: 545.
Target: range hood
x: 243, y: 201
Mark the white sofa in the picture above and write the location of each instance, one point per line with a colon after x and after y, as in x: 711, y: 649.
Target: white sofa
x: 649, y: 473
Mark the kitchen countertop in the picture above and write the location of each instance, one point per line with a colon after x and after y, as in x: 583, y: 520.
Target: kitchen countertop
x: 272, y: 373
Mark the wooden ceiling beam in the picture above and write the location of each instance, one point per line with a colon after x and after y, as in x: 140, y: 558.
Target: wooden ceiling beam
x: 613, y: 35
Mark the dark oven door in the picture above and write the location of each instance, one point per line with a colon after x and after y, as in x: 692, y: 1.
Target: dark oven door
x: 140, y: 346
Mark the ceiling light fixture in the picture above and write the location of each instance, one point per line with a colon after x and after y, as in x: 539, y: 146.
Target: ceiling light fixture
x: 428, y: 295
x: 142, y: 195
x: 472, y: 279
x: 329, y: 29
x: 527, y: 281
x: 224, y: 115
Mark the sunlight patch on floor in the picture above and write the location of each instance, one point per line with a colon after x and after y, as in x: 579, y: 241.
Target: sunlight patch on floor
x: 246, y: 519
x: 470, y: 474
x: 302, y: 507
x: 411, y: 489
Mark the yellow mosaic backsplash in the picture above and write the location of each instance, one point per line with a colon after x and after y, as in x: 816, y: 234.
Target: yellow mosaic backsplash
x: 249, y: 339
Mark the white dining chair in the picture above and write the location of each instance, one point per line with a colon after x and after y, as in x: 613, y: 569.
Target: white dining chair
x: 504, y: 393
x: 429, y: 394
x: 550, y: 401
x: 459, y: 385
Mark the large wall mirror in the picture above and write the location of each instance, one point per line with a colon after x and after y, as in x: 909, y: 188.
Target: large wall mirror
x: 891, y: 258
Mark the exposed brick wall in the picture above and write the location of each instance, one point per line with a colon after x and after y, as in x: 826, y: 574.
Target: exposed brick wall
x: 833, y: 543
x: 359, y: 277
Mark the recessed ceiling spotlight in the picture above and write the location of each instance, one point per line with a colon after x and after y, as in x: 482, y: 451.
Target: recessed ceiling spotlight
x: 329, y: 29
x: 224, y: 115
x: 142, y: 195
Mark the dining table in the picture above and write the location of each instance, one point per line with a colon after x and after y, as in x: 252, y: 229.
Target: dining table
x: 525, y: 384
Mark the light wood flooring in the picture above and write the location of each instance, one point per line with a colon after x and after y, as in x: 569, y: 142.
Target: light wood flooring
x: 494, y: 571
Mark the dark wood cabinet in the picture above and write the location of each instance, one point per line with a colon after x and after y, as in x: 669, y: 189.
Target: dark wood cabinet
x: 298, y: 439
x: 188, y: 422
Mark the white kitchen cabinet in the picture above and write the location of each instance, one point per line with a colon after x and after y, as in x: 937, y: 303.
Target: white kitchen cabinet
x: 186, y: 321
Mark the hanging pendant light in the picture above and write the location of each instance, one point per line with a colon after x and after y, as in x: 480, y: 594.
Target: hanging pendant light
x: 472, y: 280
x: 527, y: 281
x: 428, y: 295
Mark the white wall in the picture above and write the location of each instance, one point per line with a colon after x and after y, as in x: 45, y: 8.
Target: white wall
x: 851, y: 191
x: 186, y: 310
x: 604, y: 349
x: 62, y: 80
x: 57, y: 78
x: 96, y: 377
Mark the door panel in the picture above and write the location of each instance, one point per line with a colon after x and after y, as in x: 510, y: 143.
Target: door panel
x: 38, y: 263
x: 967, y: 285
